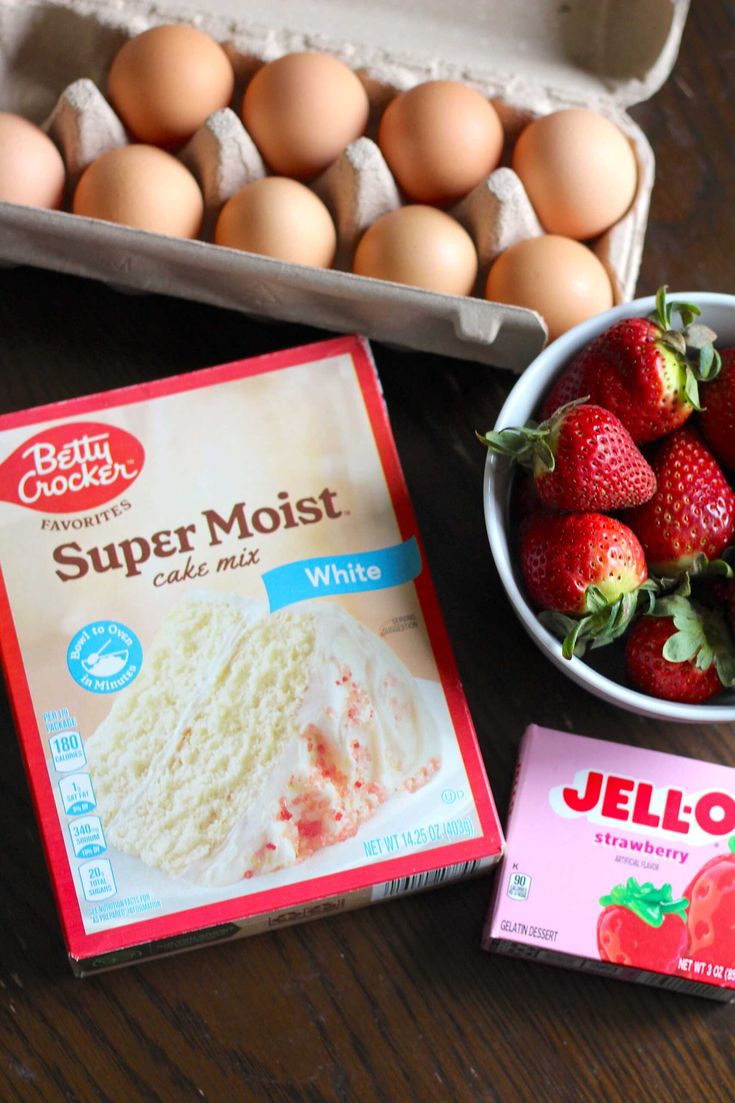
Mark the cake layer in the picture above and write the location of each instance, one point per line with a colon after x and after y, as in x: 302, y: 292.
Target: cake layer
x: 276, y: 735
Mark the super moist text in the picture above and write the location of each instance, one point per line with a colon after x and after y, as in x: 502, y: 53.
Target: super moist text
x: 240, y: 522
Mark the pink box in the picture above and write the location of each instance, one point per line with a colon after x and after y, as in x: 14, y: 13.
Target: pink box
x: 619, y: 861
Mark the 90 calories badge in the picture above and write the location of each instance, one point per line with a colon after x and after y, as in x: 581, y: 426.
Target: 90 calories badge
x: 104, y: 656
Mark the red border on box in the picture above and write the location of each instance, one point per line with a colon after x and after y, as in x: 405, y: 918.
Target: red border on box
x: 81, y: 944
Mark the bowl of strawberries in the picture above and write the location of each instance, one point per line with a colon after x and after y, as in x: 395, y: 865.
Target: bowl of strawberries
x: 610, y: 504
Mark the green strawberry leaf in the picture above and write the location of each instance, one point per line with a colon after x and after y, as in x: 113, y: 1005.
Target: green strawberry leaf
x: 706, y: 360
x: 650, y: 592
x: 691, y: 389
x: 686, y: 311
x: 726, y: 669
x: 702, y: 567
x: 572, y: 644
x: 709, y: 364
x: 527, y: 445
x: 567, y: 629
x: 681, y: 647
x: 604, y: 622
x: 702, y: 637
x: 699, y: 336
x: 595, y: 600
x: 671, y: 604
x: 662, y: 315
x: 645, y: 901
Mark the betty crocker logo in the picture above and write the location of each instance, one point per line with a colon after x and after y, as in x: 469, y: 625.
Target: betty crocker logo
x: 639, y: 806
x: 71, y: 468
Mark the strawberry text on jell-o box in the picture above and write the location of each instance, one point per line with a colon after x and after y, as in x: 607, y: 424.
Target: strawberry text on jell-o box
x: 620, y: 861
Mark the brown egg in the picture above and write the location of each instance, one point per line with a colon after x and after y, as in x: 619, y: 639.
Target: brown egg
x: 440, y: 140
x: 559, y: 278
x: 421, y: 246
x: 31, y: 169
x: 165, y: 82
x: 579, y: 171
x: 141, y: 186
x: 302, y: 111
x: 278, y: 217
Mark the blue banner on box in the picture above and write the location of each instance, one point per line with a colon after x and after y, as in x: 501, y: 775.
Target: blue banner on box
x: 342, y: 574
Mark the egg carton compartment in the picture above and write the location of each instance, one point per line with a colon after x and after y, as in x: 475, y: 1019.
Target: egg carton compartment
x: 54, y: 57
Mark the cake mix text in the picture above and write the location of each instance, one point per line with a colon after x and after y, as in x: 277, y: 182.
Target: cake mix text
x: 610, y: 798
x: 239, y: 522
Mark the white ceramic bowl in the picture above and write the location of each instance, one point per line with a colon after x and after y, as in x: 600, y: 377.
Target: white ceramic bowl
x: 597, y: 671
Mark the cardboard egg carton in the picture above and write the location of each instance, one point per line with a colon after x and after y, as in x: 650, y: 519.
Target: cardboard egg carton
x: 529, y: 58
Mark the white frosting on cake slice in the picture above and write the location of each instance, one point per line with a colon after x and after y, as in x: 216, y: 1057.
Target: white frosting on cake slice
x: 250, y: 740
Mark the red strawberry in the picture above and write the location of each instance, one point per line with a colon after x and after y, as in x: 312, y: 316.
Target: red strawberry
x: 567, y: 388
x: 643, y: 927
x: 692, y: 511
x: 525, y: 499
x: 585, y: 571
x: 582, y: 459
x: 564, y: 554
x: 681, y: 653
x: 711, y: 918
x: 717, y: 419
x: 639, y: 369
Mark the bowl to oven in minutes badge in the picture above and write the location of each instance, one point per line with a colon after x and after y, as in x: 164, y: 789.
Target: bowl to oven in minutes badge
x: 104, y: 656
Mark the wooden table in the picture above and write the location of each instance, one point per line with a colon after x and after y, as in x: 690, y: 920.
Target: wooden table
x: 395, y: 1002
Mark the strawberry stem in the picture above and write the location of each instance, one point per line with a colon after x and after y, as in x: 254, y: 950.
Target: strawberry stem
x: 648, y: 903
x: 603, y: 622
x: 531, y: 445
x: 694, y: 337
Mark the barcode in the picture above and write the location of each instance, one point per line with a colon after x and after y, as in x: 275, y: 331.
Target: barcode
x: 417, y: 881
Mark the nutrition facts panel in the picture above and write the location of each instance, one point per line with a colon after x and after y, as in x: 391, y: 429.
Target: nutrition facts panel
x: 86, y: 836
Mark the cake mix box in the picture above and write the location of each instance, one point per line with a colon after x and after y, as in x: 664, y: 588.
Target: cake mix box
x: 235, y: 695
x: 620, y: 861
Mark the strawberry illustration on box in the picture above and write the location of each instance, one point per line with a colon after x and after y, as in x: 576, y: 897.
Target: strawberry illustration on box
x: 711, y: 918
x: 643, y: 926
x: 620, y: 861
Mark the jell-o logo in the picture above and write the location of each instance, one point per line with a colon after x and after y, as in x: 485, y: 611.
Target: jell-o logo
x: 70, y: 468
x: 601, y: 797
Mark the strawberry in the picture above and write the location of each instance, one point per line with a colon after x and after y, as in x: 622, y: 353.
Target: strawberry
x: 711, y: 919
x: 584, y: 566
x: 717, y: 419
x: 562, y: 555
x: 639, y: 369
x: 643, y: 927
x: 525, y: 499
x: 567, y: 388
x: 582, y: 459
x: 681, y: 652
x: 692, y: 511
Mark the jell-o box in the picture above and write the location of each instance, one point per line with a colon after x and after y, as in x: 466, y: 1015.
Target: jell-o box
x: 620, y: 861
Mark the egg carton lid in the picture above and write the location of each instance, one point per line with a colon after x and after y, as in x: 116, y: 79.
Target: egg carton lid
x: 579, y: 50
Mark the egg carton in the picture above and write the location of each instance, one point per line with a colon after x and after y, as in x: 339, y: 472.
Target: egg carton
x: 529, y: 58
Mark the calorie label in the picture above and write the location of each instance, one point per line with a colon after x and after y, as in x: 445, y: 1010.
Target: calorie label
x: 67, y: 751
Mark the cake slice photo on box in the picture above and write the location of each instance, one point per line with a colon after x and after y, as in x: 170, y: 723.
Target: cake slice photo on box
x: 251, y: 740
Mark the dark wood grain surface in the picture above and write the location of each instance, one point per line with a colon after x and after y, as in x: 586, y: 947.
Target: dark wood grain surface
x: 395, y: 1002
